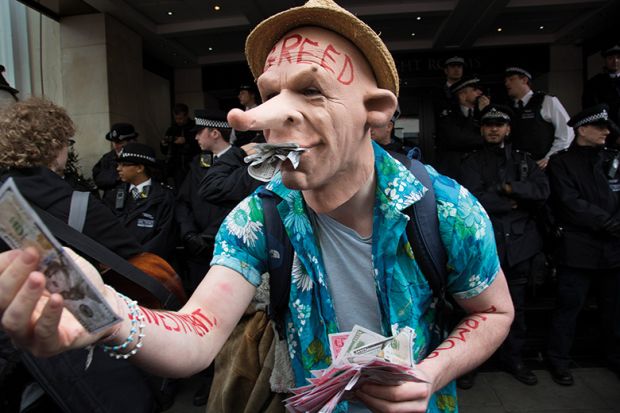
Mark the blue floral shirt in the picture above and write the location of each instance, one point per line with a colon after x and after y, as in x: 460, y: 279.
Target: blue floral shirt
x: 405, y: 298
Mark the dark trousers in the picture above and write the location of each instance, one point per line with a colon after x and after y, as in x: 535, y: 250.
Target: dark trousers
x: 510, y: 353
x: 573, y: 287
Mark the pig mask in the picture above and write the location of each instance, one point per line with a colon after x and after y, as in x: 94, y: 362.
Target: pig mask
x: 320, y: 92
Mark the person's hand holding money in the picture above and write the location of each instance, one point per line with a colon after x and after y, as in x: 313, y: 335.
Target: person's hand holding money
x: 35, y: 319
x: 405, y: 397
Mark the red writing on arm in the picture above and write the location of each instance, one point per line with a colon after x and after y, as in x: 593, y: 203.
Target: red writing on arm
x: 460, y: 333
x: 194, y: 323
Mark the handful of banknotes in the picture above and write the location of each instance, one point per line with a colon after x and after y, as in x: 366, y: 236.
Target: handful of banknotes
x: 358, y: 356
x: 21, y: 227
x: 269, y: 156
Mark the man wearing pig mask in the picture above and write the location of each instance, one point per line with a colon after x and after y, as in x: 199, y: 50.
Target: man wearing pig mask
x: 325, y: 79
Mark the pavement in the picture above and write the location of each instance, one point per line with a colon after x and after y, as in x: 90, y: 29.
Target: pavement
x: 596, y: 390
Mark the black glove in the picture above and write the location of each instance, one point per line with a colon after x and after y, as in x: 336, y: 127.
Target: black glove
x: 194, y: 243
x: 612, y: 227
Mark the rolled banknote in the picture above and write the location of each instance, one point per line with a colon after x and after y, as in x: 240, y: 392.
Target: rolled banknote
x: 268, y: 158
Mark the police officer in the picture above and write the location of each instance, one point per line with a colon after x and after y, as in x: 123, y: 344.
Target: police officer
x: 385, y: 137
x: 605, y: 88
x: 104, y: 172
x: 144, y: 205
x: 458, y: 129
x: 539, y: 126
x: 585, y: 198
x: 198, y: 219
x: 511, y: 187
x: 179, y: 146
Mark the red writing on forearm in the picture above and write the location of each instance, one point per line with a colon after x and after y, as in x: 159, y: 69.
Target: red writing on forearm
x: 460, y: 333
x: 194, y: 323
x: 303, y: 50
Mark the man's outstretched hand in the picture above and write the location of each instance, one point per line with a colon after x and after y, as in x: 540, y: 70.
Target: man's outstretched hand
x: 35, y: 319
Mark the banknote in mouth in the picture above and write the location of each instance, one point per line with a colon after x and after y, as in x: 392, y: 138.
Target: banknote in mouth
x: 268, y: 158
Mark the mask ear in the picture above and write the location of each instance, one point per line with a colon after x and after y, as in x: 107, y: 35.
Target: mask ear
x: 380, y: 105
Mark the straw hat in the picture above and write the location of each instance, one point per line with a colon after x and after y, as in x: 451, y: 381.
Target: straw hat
x: 328, y: 15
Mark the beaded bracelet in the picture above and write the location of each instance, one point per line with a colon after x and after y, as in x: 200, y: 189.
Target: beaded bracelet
x: 137, y: 327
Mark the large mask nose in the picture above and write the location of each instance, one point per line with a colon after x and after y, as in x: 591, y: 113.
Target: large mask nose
x: 278, y: 112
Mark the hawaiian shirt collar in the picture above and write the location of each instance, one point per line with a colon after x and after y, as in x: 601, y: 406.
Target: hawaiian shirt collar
x: 397, y: 187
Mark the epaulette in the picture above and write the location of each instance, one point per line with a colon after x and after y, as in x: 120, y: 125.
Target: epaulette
x: 612, y: 150
x: 521, y: 151
x: 563, y: 151
x: 444, y: 113
x: 470, y: 153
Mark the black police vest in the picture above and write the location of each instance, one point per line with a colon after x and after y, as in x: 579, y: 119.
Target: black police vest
x: 530, y: 132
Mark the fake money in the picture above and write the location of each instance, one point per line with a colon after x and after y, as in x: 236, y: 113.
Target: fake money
x: 20, y: 227
x: 265, y: 163
x: 364, y: 356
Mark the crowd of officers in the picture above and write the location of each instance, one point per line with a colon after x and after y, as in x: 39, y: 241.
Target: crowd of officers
x: 550, y: 184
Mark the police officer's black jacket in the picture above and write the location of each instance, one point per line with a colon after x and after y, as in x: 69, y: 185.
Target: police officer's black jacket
x: 530, y: 132
x: 583, y: 201
x: 48, y: 191
x: 457, y: 135
x: 484, y: 172
x: 104, y: 172
x: 228, y: 181
x: 149, y: 219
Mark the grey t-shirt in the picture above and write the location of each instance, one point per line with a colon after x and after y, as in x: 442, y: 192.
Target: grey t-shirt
x: 350, y: 277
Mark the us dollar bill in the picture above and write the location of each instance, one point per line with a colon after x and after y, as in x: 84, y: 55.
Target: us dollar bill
x: 21, y: 227
x: 266, y: 161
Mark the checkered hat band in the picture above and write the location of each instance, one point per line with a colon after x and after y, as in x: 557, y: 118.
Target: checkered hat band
x: 212, y: 123
x: 136, y: 155
x: 453, y: 60
x: 466, y: 83
x: 494, y: 114
x: 594, y: 118
x: 519, y: 70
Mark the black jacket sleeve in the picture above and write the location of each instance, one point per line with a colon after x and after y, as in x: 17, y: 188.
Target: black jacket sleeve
x: 227, y: 182
x: 163, y: 242
x: 457, y: 133
x: 535, y: 187
x: 488, y: 195
x: 574, y: 208
x: 183, y: 212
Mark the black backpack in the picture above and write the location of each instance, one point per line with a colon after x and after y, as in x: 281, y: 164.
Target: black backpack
x: 422, y: 232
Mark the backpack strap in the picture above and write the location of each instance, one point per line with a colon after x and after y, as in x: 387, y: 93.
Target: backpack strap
x: 422, y: 232
x: 280, y: 260
x: 77, y: 210
x: 425, y: 240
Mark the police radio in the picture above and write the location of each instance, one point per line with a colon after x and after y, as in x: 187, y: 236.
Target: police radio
x: 120, y: 200
x: 523, y: 170
x: 613, y: 167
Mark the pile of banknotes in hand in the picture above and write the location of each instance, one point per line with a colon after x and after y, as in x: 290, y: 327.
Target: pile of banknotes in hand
x: 269, y: 156
x: 359, y: 356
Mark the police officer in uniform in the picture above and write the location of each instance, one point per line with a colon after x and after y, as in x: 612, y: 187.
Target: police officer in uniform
x: 104, y: 172
x: 605, y: 88
x: 458, y: 128
x: 384, y: 136
x: 511, y: 187
x: 179, y: 146
x: 144, y: 205
x: 539, y: 126
x: 585, y: 198
x: 199, y: 220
